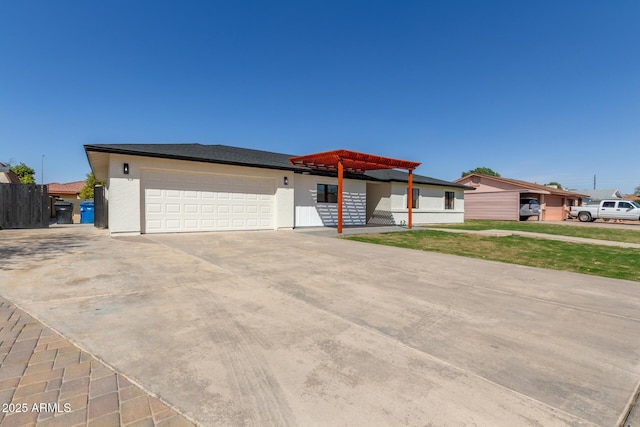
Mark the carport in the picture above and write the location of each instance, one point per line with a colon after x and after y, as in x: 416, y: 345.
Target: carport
x: 358, y: 163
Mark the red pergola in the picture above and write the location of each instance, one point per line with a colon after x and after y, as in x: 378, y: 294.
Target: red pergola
x: 354, y: 162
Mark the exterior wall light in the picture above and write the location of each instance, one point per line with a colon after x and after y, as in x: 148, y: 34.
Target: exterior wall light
x: 286, y: 180
x: 125, y: 168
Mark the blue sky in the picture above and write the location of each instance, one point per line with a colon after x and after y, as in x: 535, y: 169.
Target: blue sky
x: 540, y: 91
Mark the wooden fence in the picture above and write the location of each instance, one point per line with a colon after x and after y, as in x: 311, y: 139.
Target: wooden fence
x: 24, y: 206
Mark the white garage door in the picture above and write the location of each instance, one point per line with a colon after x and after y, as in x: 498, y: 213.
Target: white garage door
x: 177, y: 202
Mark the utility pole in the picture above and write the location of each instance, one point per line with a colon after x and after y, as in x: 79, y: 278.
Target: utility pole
x: 594, y: 181
x: 42, y: 171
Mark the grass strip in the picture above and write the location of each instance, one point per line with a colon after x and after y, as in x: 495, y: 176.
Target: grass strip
x: 601, y: 233
x: 596, y: 260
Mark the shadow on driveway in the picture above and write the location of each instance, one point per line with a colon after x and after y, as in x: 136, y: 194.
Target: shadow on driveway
x: 18, y: 246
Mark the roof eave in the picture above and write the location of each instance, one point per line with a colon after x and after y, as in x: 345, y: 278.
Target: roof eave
x: 99, y: 149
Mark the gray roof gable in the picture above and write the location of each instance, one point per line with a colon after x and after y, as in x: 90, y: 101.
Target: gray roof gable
x: 612, y: 193
x: 226, y: 154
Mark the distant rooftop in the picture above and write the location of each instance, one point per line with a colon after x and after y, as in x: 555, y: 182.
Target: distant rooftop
x: 67, y: 188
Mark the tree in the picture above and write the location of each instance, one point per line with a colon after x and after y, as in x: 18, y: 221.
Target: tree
x: 87, y: 190
x: 24, y: 172
x: 557, y: 184
x: 481, y: 171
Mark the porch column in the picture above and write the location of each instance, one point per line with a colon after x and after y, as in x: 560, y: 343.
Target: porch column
x: 340, y: 172
x: 410, y: 201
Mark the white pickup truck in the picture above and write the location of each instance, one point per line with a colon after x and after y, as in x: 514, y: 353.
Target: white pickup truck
x: 607, y: 209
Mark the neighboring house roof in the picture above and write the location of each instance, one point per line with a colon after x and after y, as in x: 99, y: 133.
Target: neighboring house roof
x: 525, y: 185
x: 632, y: 197
x: 69, y: 188
x: 7, y: 176
x: 226, y: 154
x: 613, y: 193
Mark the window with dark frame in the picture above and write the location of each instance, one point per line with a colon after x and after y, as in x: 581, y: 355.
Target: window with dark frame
x: 449, y: 199
x: 327, y: 193
x: 414, y: 199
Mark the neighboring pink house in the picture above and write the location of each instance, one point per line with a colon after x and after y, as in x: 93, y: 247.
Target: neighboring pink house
x: 499, y: 198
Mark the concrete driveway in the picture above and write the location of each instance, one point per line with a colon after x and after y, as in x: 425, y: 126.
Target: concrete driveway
x: 288, y: 328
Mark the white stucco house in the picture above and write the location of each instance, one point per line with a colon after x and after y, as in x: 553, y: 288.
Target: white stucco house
x: 159, y: 188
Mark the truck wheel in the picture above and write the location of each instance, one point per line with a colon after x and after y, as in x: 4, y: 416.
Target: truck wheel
x: 584, y: 217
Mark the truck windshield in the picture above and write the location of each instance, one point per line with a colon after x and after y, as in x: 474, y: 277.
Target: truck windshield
x: 636, y: 204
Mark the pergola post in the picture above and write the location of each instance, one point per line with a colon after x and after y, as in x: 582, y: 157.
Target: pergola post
x: 340, y: 173
x: 410, y: 201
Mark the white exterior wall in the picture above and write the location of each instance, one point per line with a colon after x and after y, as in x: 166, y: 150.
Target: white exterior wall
x: 310, y: 213
x: 379, y: 204
x: 126, y: 213
x: 124, y: 196
x: 430, y: 204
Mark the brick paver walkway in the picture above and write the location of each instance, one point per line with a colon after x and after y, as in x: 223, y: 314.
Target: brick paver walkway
x: 46, y: 381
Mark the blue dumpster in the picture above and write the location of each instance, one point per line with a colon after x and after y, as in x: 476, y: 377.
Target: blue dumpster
x: 86, y: 212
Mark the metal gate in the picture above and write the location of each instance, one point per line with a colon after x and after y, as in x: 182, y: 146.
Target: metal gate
x: 101, y: 211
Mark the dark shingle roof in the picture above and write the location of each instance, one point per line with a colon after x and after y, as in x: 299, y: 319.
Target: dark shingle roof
x: 248, y: 157
x: 401, y: 176
x: 202, y: 153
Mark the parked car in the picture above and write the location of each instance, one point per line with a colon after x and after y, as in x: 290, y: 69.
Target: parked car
x: 607, y: 209
x: 529, y: 207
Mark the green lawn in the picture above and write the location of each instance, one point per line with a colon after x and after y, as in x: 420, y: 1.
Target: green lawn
x: 602, y: 233
x: 597, y: 260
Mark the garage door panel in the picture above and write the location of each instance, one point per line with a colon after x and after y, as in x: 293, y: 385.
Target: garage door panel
x: 154, y: 225
x: 173, y: 224
x: 154, y: 208
x: 265, y: 222
x: 191, y: 202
